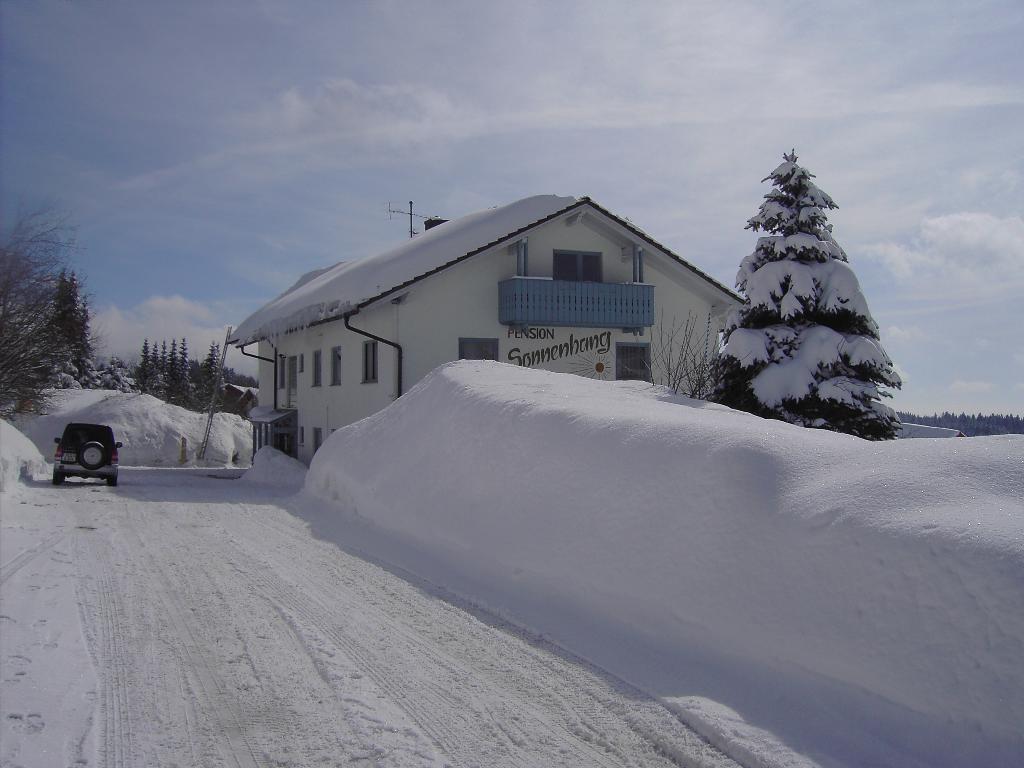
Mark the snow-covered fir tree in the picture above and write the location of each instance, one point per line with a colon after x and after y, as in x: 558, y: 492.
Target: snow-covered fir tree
x: 207, y: 375
x: 186, y: 387
x: 804, y: 348
x: 115, y: 374
x: 71, y: 331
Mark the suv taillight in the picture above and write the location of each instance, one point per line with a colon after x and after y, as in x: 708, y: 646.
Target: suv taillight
x: 58, y: 453
x: 113, y: 456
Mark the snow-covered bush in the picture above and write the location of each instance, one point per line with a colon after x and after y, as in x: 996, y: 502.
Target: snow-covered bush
x: 804, y: 348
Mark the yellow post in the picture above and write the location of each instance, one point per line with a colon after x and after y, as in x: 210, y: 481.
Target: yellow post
x: 183, y: 454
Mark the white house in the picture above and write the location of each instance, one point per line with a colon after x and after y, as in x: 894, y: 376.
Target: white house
x: 549, y: 282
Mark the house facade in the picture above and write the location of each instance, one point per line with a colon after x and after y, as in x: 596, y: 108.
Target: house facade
x: 546, y: 282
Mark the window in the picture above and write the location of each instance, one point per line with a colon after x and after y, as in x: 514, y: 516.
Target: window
x: 281, y: 381
x: 578, y: 266
x: 633, y: 361
x: 478, y: 349
x: 369, y: 361
x: 293, y: 382
x: 317, y: 367
x: 335, y: 366
x: 318, y: 438
x: 302, y: 435
x: 302, y: 362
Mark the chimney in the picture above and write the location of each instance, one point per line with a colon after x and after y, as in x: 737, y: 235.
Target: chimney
x: 432, y: 222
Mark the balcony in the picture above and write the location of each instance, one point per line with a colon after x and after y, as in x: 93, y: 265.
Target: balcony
x: 541, y: 301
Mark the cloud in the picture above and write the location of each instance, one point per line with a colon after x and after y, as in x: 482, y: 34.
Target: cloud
x: 959, y: 255
x: 970, y: 387
x: 904, y: 334
x: 122, y: 331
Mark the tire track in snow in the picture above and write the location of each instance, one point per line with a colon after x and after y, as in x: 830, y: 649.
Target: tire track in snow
x: 219, y: 599
x: 220, y: 704
x: 106, y: 637
x: 459, y: 721
x: 22, y: 559
x: 655, y: 735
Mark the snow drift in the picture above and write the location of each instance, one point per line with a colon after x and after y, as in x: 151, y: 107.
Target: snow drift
x: 871, y: 588
x: 18, y: 457
x: 272, y: 467
x: 150, y: 429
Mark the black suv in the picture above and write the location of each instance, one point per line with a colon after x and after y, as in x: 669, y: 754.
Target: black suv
x: 86, y: 450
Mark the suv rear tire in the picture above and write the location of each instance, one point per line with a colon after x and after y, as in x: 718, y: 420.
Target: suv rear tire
x: 112, y: 480
x: 92, y: 455
x: 58, y: 477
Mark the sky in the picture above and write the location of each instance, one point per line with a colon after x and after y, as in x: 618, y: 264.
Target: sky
x: 210, y: 153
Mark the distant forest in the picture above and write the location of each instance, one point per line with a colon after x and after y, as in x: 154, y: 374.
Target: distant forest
x: 972, y: 426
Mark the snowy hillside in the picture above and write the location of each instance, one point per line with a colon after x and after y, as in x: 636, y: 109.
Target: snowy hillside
x: 863, y: 601
x: 150, y: 429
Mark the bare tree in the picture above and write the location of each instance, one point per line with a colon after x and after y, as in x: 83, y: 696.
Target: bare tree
x: 32, y: 253
x: 682, y: 356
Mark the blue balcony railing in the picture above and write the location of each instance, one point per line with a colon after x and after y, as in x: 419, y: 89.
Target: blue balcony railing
x: 539, y: 301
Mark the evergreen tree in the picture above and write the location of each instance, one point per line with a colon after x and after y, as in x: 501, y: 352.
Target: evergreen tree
x: 115, y: 374
x: 144, y: 369
x: 804, y: 348
x: 160, y: 379
x: 186, y: 387
x: 207, y: 375
x: 71, y: 321
x: 173, y: 394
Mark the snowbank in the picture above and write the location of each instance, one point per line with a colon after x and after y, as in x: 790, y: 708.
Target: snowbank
x: 150, y: 429
x: 271, y: 467
x: 18, y: 457
x: 863, y: 600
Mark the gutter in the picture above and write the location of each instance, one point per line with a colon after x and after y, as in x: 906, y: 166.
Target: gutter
x: 397, y: 347
x: 241, y: 348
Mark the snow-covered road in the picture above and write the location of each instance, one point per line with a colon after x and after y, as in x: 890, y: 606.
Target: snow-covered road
x: 207, y: 626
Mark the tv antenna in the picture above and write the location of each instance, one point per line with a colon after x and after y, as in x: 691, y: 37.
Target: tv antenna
x: 392, y: 211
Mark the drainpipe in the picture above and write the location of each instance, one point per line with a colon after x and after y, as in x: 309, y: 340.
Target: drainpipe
x: 398, y: 348
x: 266, y: 359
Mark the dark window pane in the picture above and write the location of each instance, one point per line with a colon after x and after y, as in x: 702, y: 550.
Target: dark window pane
x: 478, y: 349
x: 576, y: 266
x: 590, y: 267
x: 632, y: 362
x: 336, y: 366
x: 369, y: 361
x: 564, y: 266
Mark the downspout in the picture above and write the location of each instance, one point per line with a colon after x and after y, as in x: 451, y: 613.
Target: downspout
x: 241, y: 349
x: 398, y: 348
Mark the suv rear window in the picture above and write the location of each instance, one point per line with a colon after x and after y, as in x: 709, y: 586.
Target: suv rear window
x: 77, y: 434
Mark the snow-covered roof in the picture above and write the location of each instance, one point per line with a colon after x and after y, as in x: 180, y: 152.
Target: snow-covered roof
x: 923, y: 430
x: 330, y: 293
